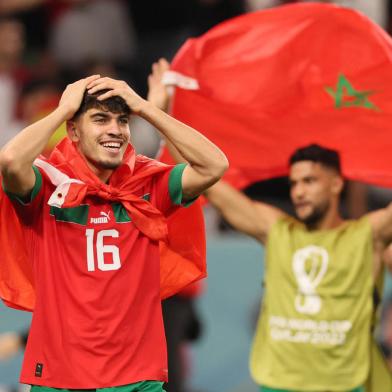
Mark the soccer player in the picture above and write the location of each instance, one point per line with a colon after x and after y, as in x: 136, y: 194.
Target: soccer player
x: 321, y: 271
x: 92, y: 217
x: 314, y: 330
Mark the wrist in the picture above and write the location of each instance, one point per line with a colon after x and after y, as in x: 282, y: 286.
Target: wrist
x: 160, y: 102
x: 143, y: 108
x: 65, y: 111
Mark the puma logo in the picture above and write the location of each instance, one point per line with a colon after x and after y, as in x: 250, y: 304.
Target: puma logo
x: 104, y: 218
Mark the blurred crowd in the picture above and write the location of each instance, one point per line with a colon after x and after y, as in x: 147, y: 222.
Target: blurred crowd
x: 45, y: 44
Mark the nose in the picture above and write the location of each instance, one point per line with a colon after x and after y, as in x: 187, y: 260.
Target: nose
x: 114, y: 128
x: 297, y: 192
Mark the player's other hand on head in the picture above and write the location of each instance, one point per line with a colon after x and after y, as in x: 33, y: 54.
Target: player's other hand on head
x: 158, y: 93
x: 73, y: 95
x: 117, y: 88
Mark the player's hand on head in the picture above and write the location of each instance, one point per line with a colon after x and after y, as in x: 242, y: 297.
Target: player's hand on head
x: 117, y: 88
x: 73, y: 95
x: 158, y: 93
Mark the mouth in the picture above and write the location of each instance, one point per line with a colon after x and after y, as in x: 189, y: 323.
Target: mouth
x: 112, y: 146
x: 302, y: 205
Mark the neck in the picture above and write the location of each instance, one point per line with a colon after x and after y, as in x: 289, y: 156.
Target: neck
x: 330, y: 220
x: 102, y: 174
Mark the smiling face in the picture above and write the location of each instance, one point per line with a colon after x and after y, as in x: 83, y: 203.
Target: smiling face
x: 314, y: 191
x: 101, y: 137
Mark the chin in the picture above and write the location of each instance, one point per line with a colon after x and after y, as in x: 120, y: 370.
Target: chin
x: 303, y: 219
x: 303, y: 216
x: 109, y: 165
x: 311, y: 219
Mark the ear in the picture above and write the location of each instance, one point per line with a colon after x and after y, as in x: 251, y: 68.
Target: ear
x: 72, y: 131
x: 337, y: 185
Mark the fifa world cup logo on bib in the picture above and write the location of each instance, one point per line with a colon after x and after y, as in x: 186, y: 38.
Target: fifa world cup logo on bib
x: 309, y: 265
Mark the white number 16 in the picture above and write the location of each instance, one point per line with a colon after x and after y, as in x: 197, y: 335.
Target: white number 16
x: 115, y: 264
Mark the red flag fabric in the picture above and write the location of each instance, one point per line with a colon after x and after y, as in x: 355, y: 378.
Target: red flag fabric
x: 16, y: 275
x: 182, y: 260
x: 272, y: 81
x: 187, y: 235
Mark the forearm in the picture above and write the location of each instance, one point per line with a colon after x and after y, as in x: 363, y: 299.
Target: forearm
x: 23, y: 149
x: 237, y: 209
x: 381, y: 221
x: 245, y: 215
x: 198, y: 151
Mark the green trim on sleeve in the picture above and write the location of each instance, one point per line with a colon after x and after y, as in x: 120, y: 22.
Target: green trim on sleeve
x: 175, y: 186
x: 175, y: 183
x: 34, y: 192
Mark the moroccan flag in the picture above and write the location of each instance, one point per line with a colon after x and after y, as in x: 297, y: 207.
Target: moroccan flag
x: 187, y: 237
x: 265, y: 83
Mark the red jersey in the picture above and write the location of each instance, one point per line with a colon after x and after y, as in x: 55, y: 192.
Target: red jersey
x: 97, y: 320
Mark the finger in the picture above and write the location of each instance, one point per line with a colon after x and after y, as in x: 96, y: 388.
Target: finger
x: 108, y: 94
x: 84, y: 82
x: 154, y: 77
x: 106, y: 80
x: 157, y: 73
x: 95, y: 83
x: 91, y: 78
x: 164, y: 64
x: 100, y: 86
x: 155, y: 68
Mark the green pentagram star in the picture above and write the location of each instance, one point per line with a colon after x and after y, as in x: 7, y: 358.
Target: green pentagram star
x: 345, y: 95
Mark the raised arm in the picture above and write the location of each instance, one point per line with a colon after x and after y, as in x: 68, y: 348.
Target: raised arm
x: 381, y: 221
x: 207, y: 163
x: 18, y: 155
x: 387, y: 258
x: 245, y: 215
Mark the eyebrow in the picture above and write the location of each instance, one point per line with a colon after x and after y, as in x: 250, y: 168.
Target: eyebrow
x: 308, y: 177
x: 105, y: 115
x: 99, y: 114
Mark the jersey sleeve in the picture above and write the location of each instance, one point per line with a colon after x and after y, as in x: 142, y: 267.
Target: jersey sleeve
x: 167, y: 191
x: 27, y: 208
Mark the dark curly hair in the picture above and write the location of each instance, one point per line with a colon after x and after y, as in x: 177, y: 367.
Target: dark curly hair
x: 112, y: 104
x: 316, y: 153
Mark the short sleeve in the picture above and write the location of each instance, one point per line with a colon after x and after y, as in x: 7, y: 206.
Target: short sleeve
x: 167, y: 190
x: 27, y: 208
